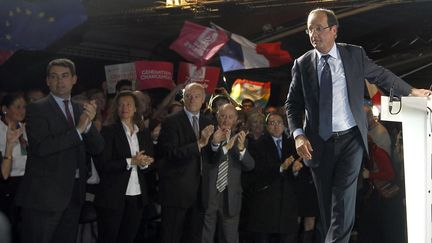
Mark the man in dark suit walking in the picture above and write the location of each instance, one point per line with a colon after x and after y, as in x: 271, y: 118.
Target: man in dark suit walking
x: 183, y: 140
x: 327, y: 90
x: 59, y: 134
x: 222, y: 186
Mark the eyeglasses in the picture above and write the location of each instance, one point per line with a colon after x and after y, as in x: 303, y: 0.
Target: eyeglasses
x: 59, y: 76
x: 317, y: 30
x: 275, y: 123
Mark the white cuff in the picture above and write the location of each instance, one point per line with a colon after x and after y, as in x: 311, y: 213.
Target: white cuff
x: 129, y: 165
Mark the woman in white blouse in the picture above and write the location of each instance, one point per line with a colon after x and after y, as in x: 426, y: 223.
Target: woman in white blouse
x: 13, y: 147
x: 122, y: 192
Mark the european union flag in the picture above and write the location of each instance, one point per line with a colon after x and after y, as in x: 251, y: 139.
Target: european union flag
x: 35, y: 25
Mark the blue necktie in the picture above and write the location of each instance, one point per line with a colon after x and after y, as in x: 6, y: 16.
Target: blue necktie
x: 279, y: 147
x: 325, y: 101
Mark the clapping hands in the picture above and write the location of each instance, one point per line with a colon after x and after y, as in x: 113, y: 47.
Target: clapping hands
x: 13, y: 135
x: 296, y: 164
x: 238, y: 139
x: 87, y: 116
x: 141, y: 159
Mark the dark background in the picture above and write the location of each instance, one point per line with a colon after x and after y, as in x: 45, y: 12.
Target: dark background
x: 397, y: 35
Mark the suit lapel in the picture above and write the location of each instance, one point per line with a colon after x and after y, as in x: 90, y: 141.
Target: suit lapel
x: 313, y: 79
x: 76, y: 112
x: 140, y: 141
x: 346, y: 63
x: 143, y: 145
x: 57, y: 110
x: 185, y: 123
x: 121, y: 140
x: 272, y: 148
x: 285, y: 147
x: 202, y: 122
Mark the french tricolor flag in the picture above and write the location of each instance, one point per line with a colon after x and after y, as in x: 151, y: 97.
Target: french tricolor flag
x: 240, y: 53
x: 374, y: 93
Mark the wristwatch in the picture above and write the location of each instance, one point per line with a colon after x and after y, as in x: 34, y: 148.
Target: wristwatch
x: 7, y: 157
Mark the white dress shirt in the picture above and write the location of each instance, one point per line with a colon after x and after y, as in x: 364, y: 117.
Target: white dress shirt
x: 342, y: 117
x: 275, y: 139
x: 190, y: 116
x: 18, y: 158
x: 133, y: 187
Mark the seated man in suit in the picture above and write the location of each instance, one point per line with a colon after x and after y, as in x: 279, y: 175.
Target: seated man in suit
x: 222, y: 184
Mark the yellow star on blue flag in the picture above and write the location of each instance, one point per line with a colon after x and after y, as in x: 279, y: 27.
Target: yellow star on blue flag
x: 35, y: 25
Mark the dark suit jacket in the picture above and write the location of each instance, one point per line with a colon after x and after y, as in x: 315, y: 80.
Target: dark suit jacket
x: 235, y: 168
x: 271, y: 203
x: 55, y: 151
x: 181, y: 166
x: 303, y: 96
x: 112, y: 167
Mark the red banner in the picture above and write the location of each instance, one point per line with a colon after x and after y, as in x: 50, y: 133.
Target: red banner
x: 150, y: 74
x: 207, y: 76
x: 198, y: 43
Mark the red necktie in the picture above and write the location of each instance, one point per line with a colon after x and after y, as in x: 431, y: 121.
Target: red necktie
x: 68, y: 113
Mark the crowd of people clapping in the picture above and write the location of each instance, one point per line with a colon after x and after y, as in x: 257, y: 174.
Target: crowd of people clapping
x: 152, y: 169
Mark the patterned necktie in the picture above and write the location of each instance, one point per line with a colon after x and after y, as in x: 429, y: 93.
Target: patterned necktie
x: 279, y: 147
x: 325, y: 101
x: 222, y: 176
x: 195, y: 126
x: 68, y: 114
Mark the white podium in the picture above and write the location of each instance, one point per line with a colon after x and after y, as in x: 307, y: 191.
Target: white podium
x: 416, y: 118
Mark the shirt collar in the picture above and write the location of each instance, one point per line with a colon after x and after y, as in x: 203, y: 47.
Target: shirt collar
x: 135, y: 128
x: 333, y: 52
x: 275, y: 138
x: 60, y: 99
x: 61, y: 104
x: 190, y: 114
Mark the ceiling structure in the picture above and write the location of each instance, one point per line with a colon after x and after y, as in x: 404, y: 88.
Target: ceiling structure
x: 396, y: 34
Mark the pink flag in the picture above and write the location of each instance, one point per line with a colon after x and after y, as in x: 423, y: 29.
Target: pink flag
x: 150, y: 74
x: 198, y: 43
x: 207, y: 76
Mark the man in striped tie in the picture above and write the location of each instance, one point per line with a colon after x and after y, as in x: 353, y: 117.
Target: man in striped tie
x: 222, y: 179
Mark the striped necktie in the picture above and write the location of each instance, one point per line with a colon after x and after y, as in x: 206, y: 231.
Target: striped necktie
x: 222, y: 176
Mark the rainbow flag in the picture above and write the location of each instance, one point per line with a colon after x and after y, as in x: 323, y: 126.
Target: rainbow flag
x: 259, y: 92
